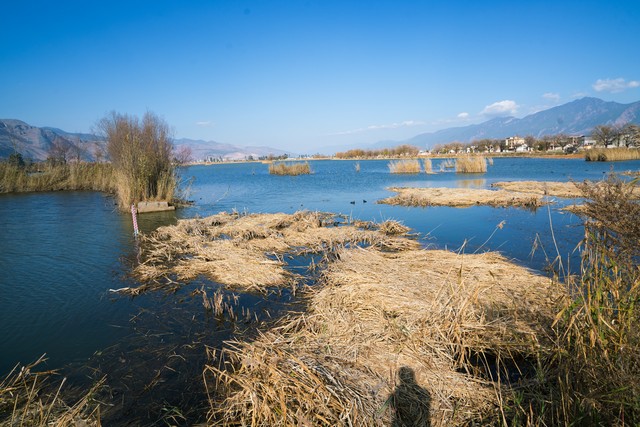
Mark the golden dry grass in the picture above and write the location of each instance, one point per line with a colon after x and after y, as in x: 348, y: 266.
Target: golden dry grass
x: 27, y: 398
x: 545, y: 188
x: 428, y: 165
x: 244, y: 251
x: 379, y: 315
x: 611, y: 154
x: 404, y: 166
x: 293, y: 168
x: 461, y: 197
x: 471, y: 164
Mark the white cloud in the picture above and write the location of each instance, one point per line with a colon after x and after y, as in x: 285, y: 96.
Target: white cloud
x: 551, y: 96
x: 614, y: 85
x: 501, y: 108
x: 464, y: 115
x: 406, y: 123
x: 206, y: 123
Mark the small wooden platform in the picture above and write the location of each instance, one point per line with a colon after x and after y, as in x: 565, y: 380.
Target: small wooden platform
x: 144, y: 207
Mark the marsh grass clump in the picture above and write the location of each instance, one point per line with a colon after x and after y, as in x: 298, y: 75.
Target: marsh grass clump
x: 29, y: 397
x: 404, y: 166
x: 611, y: 154
x: 291, y: 168
x: 427, y: 165
x: 471, y: 164
x: 600, y: 323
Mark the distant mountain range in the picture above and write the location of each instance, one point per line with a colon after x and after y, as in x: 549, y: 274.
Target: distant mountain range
x: 36, y: 143
x: 574, y: 118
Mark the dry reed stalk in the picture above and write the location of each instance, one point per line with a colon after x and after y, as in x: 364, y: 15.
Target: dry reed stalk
x: 216, y: 246
x: 611, y: 154
x: 428, y: 166
x: 404, y: 166
x: 27, y: 398
x: 379, y: 313
x: 293, y: 168
x: 461, y: 197
x: 471, y: 164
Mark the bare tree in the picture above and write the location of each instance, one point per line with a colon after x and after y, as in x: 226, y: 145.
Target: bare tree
x: 604, y: 135
x: 630, y: 135
x: 182, y: 155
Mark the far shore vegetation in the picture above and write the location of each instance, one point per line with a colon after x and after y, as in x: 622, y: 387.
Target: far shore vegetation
x: 612, y: 154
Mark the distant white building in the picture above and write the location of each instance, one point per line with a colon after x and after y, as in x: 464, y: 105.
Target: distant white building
x: 515, y: 142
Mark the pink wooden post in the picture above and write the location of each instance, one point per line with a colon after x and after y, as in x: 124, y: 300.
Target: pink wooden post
x: 135, y: 220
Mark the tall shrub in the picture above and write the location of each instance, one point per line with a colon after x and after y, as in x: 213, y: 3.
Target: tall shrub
x: 141, y: 154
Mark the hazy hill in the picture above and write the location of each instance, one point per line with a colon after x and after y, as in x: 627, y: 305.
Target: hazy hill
x: 202, y: 150
x: 35, y: 143
x: 574, y: 118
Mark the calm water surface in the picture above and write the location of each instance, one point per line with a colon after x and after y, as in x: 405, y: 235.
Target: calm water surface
x: 60, y: 253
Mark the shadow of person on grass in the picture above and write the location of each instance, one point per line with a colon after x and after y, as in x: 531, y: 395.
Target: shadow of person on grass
x: 409, y: 402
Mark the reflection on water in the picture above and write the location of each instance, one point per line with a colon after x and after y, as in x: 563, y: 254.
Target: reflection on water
x: 60, y: 253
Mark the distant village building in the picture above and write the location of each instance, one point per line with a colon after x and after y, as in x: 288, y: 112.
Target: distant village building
x: 517, y: 144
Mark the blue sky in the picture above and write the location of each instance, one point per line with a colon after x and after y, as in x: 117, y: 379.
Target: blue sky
x: 306, y: 75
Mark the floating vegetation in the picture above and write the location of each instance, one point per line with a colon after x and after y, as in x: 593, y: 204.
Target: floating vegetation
x: 471, y: 164
x: 291, y: 168
x: 545, y: 188
x: 404, y: 166
x: 611, y: 154
x: 215, y: 247
x: 423, y: 315
x: 461, y: 197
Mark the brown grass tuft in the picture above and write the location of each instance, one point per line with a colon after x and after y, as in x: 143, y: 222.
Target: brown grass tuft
x: 471, y: 164
x: 404, y: 166
x: 293, y: 168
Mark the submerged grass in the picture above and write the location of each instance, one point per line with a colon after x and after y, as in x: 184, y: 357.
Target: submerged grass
x: 461, y: 197
x: 611, y: 154
x: 28, y: 398
x: 404, y: 166
x: 292, y: 168
x: 471, y: 164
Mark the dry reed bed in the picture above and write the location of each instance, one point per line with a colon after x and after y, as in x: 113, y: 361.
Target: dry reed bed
x: 471, y: 164
x: 461, y: 197
x: 611, y: 154
x: 554, y: 188
x: 416, y: 311
x: 545, y: 188
x: 245, y: 251
x: 404, y: 166
x: 293, y: 168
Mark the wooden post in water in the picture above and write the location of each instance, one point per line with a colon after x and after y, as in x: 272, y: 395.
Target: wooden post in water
x: 135, y: 220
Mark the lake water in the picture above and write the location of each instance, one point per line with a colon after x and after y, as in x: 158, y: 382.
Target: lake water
x: 60, y: 253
